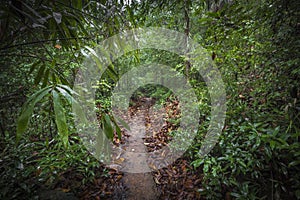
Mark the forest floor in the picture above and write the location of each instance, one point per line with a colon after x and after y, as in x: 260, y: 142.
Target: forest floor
x: 150, y: 128
x: 135, y: 175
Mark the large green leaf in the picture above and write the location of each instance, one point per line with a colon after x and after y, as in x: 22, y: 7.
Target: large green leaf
x: 65, y: 92
x: 108, y: 129
x: 46, y: 78
x: 110, y: 68
x: 123, y: 123
x: 117, y: 120
x: 60, y: 77
x: 118, y: 130
x: 27, y: 110
x: 33, y: 66
x: 39, y: 75
x: 67, y: 88
x: 60, y: 118
x: 95, y: 57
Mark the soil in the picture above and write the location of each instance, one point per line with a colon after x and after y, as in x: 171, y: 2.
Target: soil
x: 137, y: 176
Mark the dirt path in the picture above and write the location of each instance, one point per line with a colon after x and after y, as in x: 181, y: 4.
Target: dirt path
x: 129, y: 176
x: 137, y: 177
x: 141, y: 186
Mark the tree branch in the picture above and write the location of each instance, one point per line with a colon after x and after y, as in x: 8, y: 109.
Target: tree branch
x: 42, y: 41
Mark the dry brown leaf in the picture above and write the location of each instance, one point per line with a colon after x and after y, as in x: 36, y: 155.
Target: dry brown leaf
x: 156, y: 180
x: 152, y: 166
x: 65, y: 189
x: 57, y: 46
x: 119, y: 161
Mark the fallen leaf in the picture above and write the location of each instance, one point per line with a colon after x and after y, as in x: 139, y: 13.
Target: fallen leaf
x: 57, y: 46
x: 189, y: 184
x: 156, y: 181
x: 65, y: 189
x: 152, y: 166
x: 119, y: 161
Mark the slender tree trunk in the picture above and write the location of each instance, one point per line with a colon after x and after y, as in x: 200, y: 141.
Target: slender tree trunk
x: 187, y: 33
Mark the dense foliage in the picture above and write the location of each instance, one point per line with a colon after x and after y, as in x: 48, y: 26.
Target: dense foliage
x: 254, y: 44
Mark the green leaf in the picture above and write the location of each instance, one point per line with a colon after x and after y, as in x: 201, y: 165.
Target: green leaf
x: 61, y: 77
x: 294, y: 163
x: 65, y: 30
x: 39, y: 75
x: 108, y: 127
x: 110, y: 68
x: 33, y: 66
x: 65, y: 91
x: 122, y: 123
x: 53, y: 77
x: 81, y: 26
x: 118, y: 130
x: 27, y: 110
x: 68, y: 89
x: 46, y: 77
x: 112, y: 73
x: 78, y: 4
x: 95, y: 57
x: 60, y: 118
x: 66, y: 94
x: 197, y: 163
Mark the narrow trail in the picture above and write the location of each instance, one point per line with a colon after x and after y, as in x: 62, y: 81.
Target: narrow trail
x: 137, y: 177
x: 142, y: 175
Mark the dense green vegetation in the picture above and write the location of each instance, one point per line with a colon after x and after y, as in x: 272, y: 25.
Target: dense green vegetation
x: 254, y: 44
